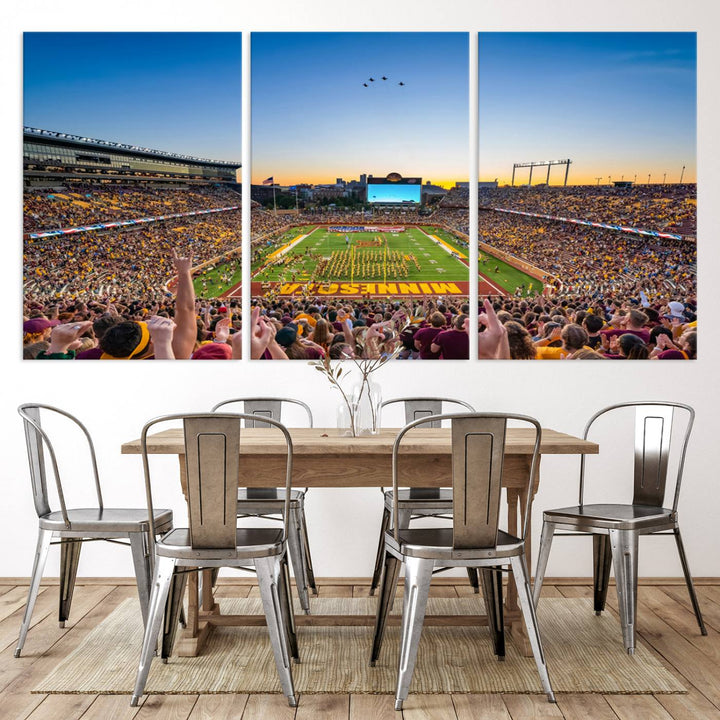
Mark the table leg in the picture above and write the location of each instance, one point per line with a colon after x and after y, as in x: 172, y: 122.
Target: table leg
x: 208, y: 599
x: 193, y: 614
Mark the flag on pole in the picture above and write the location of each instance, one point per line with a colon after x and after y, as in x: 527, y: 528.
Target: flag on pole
x: 269, y: 181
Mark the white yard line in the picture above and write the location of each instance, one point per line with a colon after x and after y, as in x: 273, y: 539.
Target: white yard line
x: 441, y: 244
x: 286, y: 248
x: 492, y: 284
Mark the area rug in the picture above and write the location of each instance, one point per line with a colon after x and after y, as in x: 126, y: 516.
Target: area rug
x: 584, y: 654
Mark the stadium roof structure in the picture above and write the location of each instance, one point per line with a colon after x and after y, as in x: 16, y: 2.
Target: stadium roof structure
x: 30, y: 133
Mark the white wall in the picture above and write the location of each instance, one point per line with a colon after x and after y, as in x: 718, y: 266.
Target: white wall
x: 115, y: 401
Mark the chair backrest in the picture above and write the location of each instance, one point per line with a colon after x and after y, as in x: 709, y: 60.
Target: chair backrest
x: 653, y: 443
x: 478, y: 448
x: 212, y: 466
x: 422, y: 407
x: 263, y: 408
x: 417, y: 408
x: 37, y: 441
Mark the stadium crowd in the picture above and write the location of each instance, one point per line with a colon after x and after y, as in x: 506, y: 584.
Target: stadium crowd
x: 122, y: 262
x: 587, y: 327
x: 88, y: 204
x: 665, y: 208
x: 105, y: 295
x: 589, y: 259
x: 311, y: 327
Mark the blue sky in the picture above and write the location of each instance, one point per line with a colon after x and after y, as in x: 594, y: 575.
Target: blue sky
x: 179, y: 92
x: 615, y: 103
x: 314, y: 121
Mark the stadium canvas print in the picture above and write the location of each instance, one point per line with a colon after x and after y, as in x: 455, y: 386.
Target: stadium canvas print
x: 132, y: 232
x: 587, y: 221
x: 360, y: 198
x: 360, y: 211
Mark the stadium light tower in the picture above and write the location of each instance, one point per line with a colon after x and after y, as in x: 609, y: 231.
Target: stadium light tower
x: 648, y: 178
x: 598, y: 179
x: 541, y: 163
x: 682, y: 174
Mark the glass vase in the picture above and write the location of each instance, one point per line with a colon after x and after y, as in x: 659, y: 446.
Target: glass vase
x: 346, y: 419
x: 368, y: 399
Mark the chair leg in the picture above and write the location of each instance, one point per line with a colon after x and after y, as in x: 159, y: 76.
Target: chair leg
x: 493, y: 597
x: 164, y: 571
x: 602, y: 561
x: 418, y: 574
x: 143, y: 570
x: 522, y: 582
x: 173, y: 607
x: 41, y: 552
x: 268, y: 574
x: 546, y: 538
x: 380, y: 557
x: 296, y: 557
x: 286, y: 608
x: 474, y: 580
x: 307, y: 558
x: 385, y: 602
x: 624, y: 545
x: 69, y: 559
x: 404, y: 518
x: 689, y: 580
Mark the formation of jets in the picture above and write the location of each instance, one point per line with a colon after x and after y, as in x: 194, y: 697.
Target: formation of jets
x: 372, y: 80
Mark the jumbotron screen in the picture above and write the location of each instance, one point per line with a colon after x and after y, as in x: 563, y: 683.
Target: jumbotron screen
x: 386, y: 191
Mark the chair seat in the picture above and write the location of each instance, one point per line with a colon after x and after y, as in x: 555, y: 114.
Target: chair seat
x: 267, y: 500
x: 419, y: 499
x: 437, y: 543
x: 250, y: 543
x: 616, y: 517
x: 122, y: 520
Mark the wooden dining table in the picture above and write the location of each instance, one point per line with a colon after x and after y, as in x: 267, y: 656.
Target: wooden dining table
x: 324, y: 458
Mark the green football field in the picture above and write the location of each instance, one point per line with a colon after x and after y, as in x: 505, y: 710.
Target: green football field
x: 364, y: 256
x: 506, y: 276
x: 214, y: 281
x: 406, y: 256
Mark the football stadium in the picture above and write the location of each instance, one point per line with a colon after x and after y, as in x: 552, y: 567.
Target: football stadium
x: 103, y: 222
x: 394, y: 252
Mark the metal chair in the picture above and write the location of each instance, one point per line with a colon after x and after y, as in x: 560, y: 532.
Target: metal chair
x: 70, y: 528
x: 213, y: 540
x: 474, y: 540
x: 417, y: 502
x: 616, y: 528
x: 268, y: 502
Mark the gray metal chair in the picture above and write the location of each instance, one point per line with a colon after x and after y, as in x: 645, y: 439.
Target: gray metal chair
x: 69, y: 527
x: 474, y: 540
x: 268, y: 502
x: 616, y: 528
x: 417, y: 502
x: 213, y: 540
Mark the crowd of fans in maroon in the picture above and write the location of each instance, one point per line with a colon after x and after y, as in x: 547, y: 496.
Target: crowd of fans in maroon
x: 105, y: 295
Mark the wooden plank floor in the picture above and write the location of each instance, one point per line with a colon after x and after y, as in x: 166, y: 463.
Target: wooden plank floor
x: 665, y: 623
